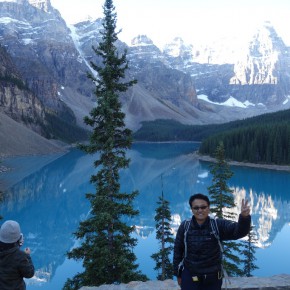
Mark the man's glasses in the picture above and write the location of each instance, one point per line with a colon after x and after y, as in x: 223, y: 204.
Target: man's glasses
x: 196, y: 208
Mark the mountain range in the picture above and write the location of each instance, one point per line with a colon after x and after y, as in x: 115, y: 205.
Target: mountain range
x: 44, y: 65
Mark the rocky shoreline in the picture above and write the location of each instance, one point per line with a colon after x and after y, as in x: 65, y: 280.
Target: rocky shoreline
x: 246, y: 164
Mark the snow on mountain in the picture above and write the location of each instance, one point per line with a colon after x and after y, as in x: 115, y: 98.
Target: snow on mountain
x: 76, y: 39
x: 225, y: 50
x: 141, y: 40
x: 287, y: 99
x: 177, y: 47
x: 15, y: 1
x: 235, y: 77
x: 230, y: 102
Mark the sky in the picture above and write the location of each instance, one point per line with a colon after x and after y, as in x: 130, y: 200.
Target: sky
x: 193, y: 20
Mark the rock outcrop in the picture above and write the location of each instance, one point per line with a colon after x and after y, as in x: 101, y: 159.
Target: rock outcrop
x: 16, y: 99
x: 278, y: 282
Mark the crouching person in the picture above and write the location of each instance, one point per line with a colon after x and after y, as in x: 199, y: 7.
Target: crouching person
x: 15, y: 264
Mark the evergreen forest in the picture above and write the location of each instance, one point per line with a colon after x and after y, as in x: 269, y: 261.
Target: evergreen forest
x: 261, y: 139
x: 261, y: 142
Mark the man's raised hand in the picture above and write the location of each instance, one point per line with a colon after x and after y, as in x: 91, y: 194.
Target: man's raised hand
x: 245, y: 209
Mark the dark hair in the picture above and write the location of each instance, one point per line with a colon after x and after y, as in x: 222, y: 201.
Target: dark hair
x: 198, y: 196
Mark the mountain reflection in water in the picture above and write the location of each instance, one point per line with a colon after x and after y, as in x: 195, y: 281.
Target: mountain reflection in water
x: 50, y: 202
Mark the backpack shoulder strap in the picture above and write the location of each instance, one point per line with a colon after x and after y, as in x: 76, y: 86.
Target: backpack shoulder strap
x: 214, y: 227
x: 215, y: 231
x: 186, y: 226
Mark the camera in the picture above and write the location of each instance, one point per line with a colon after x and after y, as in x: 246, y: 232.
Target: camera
x: 21, y: 240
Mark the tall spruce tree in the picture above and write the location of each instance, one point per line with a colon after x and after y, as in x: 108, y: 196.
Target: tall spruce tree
x: 165, y: 237
x: 249, y: 254
x: 222, y: 201
x: 1, y: 198
x: 106, y: 242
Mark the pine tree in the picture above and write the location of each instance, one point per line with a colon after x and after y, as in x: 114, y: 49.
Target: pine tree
x: 165, y: 238
x: 220, y: 193
x: 106, y: 243
x: 249, y: 254
x: 222, y: 201
x: 1, y: 199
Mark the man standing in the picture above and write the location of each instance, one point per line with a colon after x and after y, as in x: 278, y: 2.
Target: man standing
x: 197, y: 258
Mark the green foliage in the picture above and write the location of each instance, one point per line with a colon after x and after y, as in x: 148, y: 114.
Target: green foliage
x: 166, y: 240
x: 222, y: 201
x: 265, y: 140
x: 232, y: 260
x: 1, y: 197
x: 171, y: 130
x: 15, y: 81
x: 63, y: 129
x: 220, y: 193
x: 260, y: 139
x: 249, y: 254
x: 107, y: 244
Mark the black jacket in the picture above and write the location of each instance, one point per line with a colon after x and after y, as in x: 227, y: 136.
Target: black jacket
x: 14, y: 266
x: 203, y: 251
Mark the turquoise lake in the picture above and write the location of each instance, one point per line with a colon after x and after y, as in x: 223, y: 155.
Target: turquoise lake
x: 47, y: 196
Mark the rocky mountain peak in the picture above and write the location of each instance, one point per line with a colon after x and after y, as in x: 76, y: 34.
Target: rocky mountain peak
x: 141, y: 40
x: 142, y: 47
x: 47, y: 61
x: 177, y: 48
x: 185, y: 82
x: 180, y: 51
x: 261, y: 63
x: 44, y: 5
x: 266, y: 42
x: 15, y: 1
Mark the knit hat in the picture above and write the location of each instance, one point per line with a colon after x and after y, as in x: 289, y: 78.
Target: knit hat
x: 10, y: 232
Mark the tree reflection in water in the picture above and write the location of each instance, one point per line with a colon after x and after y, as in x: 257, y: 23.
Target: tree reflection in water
x: 50, y: 202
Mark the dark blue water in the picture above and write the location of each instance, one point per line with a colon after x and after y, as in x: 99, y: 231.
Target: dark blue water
x: 49, y: 201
